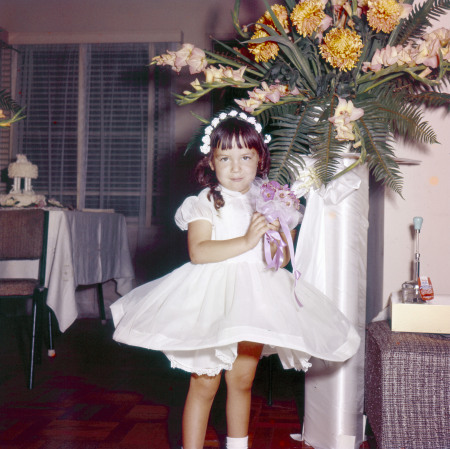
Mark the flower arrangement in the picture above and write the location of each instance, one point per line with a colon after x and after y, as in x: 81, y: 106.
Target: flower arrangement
x: 331, y: 77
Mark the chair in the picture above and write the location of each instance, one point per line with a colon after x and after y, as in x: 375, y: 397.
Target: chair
x: 23, y: 236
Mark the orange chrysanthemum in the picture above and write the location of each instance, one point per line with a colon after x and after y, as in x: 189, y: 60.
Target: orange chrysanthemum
x: 383, y: 15
x: 280, y: 12
x: 341, y: 48
x: 307, y: 16
x: 264, y: 50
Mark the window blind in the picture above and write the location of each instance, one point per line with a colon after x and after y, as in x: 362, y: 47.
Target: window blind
x: 127, y: 118
x: 48, y: 86
x: 117, y: 127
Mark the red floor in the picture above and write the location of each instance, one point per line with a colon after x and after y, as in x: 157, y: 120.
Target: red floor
x: 97, y: 394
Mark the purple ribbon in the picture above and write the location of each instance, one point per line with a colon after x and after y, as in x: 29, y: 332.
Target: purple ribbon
x: 275, y: 237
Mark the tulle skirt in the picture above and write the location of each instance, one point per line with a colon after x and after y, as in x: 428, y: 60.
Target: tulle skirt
x: 198, y: 314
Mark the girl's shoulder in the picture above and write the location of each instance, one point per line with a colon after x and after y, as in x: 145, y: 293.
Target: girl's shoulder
x: 196, y: 207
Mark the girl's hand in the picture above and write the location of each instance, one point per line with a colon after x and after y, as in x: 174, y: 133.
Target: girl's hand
x: 275, y: 225
x: 202, y: 249
x: 258, y: 227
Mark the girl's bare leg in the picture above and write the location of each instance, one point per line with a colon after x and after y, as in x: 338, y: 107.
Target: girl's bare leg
x: 239, y: 388
x: 202, y: 390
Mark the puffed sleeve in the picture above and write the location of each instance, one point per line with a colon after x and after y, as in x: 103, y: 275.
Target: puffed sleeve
x: 193, y: 208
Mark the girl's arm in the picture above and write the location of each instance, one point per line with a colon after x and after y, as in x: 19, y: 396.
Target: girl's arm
x: 204, y: 250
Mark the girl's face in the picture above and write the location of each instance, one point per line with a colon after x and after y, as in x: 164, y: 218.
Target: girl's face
x: 235, y: 167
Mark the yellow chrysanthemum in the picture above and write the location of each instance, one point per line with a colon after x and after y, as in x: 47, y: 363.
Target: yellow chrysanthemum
x: 383, y: 15
x: 264, y: 50
x: 307, y: 16
x: 281, y: 14
x: 341, y: 48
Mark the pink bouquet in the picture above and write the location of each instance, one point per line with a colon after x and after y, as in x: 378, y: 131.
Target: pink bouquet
x: 280, y: 202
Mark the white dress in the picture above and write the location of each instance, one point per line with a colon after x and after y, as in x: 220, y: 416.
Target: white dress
x: 198, y: 313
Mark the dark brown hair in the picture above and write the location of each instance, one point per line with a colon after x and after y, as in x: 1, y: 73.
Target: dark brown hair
x: 224, y: 134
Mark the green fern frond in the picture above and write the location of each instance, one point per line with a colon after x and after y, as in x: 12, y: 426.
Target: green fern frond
x: 406, y: 120
x: 7, y: 103
x: 325, y: 148
x: 418, y: 20
x: 290, y: 141
x: 431, y: 99
x: 380, y: 154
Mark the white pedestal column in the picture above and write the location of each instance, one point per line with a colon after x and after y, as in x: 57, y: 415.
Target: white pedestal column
x: 332, y: 255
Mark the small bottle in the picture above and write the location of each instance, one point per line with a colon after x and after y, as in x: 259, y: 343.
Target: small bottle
x: 425, y: 288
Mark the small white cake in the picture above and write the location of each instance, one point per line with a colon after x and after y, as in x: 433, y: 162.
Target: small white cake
x: 18, y: 196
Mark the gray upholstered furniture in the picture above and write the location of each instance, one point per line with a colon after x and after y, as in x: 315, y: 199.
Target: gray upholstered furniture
x: 407, y: 388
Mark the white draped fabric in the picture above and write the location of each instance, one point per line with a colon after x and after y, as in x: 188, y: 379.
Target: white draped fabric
x: 332, y: 255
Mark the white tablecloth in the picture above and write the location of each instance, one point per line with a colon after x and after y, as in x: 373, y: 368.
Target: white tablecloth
x: 84, y: 248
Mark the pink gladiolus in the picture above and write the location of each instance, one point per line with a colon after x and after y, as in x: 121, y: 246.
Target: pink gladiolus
x: 390, y: 55
x: 376, y: 64
x: 324, y: 25
x: 442, y: 34
x: 405, y: 55
x: 236, y: 75
x: 187, y: 55
x: 182, y: 55
x: 274, y: 96
x: 214, y: 74
x: 249, y: 105
x: 196, y: 85
x: 197, y: 61
x: 167, y: 59
x: 428, y: 53
x: 265, y: 94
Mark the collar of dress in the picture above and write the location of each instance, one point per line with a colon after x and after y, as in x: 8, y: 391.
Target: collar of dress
x: 233, y: 193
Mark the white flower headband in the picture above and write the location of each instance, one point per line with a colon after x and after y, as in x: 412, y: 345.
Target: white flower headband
x: 206, y: 139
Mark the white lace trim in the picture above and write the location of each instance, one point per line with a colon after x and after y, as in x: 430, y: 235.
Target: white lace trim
x: 204, y: 371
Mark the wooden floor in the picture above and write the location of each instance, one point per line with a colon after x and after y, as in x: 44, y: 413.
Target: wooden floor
x: 97, y: 394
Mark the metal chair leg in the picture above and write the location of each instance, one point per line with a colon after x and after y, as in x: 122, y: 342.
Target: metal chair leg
x: 36, y: 334
x: 101, y: 303
x: 33, y: 342
x: 51, y: 350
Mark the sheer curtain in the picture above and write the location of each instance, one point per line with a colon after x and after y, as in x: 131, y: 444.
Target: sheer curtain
x: 98, y: 125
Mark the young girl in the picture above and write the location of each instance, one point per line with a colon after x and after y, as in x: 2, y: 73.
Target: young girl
x: 225, y: 308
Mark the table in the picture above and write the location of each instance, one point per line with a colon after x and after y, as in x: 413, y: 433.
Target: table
x: 407, y: 388
x: 84, y: 248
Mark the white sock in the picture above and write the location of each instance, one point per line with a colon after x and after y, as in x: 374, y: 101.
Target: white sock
x: 237, y: 443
